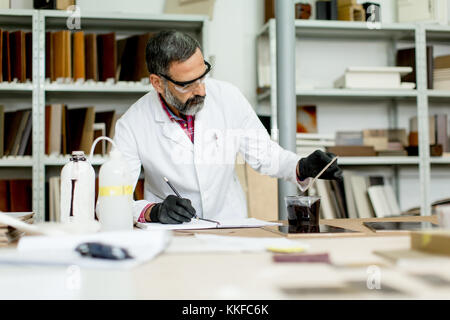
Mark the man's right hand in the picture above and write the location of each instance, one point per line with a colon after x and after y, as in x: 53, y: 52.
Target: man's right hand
x: 173, y: 210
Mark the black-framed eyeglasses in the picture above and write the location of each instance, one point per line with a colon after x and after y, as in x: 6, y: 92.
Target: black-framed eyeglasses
x: 184, y: 84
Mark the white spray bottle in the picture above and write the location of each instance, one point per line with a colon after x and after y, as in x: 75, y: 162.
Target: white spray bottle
x: 115, y: 193
x: 77, y: 190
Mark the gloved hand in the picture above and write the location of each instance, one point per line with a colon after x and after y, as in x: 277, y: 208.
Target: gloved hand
x: 315, y: 162
x: 173, y: 210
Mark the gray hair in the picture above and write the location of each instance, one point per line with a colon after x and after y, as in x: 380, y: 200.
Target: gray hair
x: 167, y: 47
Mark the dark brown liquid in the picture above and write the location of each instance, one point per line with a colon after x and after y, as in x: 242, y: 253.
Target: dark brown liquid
x: 303, y: 219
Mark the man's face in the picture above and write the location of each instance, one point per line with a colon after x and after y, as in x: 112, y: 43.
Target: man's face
x: 191, y: 101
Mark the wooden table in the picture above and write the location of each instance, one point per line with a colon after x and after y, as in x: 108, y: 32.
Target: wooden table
x: 182, y: 274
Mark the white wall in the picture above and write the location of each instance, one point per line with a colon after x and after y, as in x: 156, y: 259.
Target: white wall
x: 231, y: 41
x: 233, y: 45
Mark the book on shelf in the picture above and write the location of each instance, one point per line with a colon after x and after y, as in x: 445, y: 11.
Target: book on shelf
x: 54, y: 199
x: 68, y: 130
x: 349, y: 138
x: 352, y: 212
x: 16, y: 132
x: 374, y: 78
x: 91, y: 63
x: 377, y: 138
x: 107, y: 56
x: 2, y: 129
x: 79, y: 57
x: 15, y: 195
x: 6, y: 56
x: 383, y: 201
x: 100, y: 131
x: 414, y: 130
x: 352, y: 151
x: 357, y: 196
x: 407, y: 58
x: 307, y: 143
x: 131, y: 62
x: 441, y: 73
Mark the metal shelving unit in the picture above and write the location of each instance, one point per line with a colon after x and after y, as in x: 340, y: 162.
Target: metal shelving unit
x: 357, y: 31
x: 123, y: 25
x: 24, y: 20
x: 40, y: 91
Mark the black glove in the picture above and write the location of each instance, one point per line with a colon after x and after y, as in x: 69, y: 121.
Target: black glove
x: 315, y: 162
x: 173, y: 210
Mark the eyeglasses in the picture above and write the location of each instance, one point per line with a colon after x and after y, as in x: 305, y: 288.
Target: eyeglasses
x: 187, y: 86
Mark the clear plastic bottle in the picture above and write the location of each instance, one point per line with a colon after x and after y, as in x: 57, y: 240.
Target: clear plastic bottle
x: 115, y: 196
x: 77, y: 190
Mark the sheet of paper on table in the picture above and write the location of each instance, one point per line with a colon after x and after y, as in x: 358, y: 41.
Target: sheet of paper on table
x: 195, y: 224
x: 60, y: 250
x: 216, y: 243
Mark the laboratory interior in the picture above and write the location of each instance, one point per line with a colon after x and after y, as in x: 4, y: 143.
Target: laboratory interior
x: 257, y: 152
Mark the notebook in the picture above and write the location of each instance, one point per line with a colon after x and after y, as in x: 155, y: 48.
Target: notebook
x: 195, y: 224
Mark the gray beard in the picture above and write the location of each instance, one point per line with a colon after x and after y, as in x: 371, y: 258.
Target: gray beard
x: 190, y: 108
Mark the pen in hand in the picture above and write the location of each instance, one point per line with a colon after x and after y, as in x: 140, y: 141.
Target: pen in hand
x: 179, y: 196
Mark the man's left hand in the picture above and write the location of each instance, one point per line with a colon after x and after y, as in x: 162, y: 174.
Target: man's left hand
x: 310, y: 166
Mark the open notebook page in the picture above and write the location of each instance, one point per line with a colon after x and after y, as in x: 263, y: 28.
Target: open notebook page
x: 200, y: 224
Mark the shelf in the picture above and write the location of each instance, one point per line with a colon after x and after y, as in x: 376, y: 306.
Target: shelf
x: 17, y: 18
x: 440, y: 160
x: 437, y: 95
x: 14, y: 87
x: 25, y: 161
x: 357, y: 161
x: 437, y: 33
x: 132, y: 87
x: 100, y: 21
x: 351, y: 94
x: 62, y: 160
x: 354, y: 30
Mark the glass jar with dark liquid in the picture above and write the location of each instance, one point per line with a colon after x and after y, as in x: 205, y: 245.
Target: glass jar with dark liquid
x: 303, y: 214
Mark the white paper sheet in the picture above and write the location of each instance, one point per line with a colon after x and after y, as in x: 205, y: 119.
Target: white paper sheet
x: 60, y: 250
x: 206, y: 243
x: 200, y: 224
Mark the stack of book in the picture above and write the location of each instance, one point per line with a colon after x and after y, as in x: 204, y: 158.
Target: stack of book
x: 307, y: 143
x: 68, y: 130
x: 79, y: 57
x: 374, y: 78
x: 438, y: 135
x: 357, y: 197
x: 15, y: 132
x: 441, y: 74
x: 16, y: 56
x: 370, y: 143
x: 8, y: 234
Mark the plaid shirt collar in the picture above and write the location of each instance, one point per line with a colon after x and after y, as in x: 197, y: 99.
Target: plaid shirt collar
x: 186, y: 124
x: 172, y: 116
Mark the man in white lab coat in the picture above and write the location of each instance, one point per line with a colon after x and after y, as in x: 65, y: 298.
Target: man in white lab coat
x: 190, y: 129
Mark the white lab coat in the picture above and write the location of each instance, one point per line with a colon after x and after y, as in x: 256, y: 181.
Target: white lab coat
x: 202, y: 171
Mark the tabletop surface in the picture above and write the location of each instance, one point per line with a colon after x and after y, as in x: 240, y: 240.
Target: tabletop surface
x: 186, y: 271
